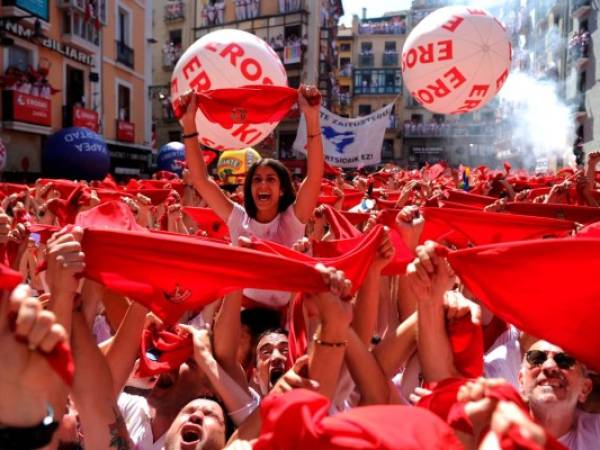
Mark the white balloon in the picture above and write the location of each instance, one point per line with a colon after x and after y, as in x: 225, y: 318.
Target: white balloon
x: 228, y: 59
x: 456, y: 59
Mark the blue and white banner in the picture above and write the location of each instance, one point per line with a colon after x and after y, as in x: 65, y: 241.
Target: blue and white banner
x: 349, y: 142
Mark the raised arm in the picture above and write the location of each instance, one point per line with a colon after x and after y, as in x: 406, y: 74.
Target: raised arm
x: 431, y: 278
x: 326, y: 356
x: 227, y: 336
x: 199, y: 176
x: 309, y: 100
x: 93, y: 392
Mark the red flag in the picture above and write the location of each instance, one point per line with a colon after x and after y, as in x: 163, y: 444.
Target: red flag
x: 248, y: 104
x: 488, y: 227
x: 581, y: 214
x: 543, y: 287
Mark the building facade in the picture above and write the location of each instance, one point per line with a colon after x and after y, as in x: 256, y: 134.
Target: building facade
x: 172, y: 25
x: 88, y: 69
x: 302, y: 33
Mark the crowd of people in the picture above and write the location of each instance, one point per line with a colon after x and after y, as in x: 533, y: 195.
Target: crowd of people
x: 422, y: 309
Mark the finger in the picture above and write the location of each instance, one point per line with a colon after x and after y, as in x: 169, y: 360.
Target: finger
x: 56, y: 335
x: 26, y: 316
x: 42, y: 325
x: 414, y: 399
x: 475, y: 314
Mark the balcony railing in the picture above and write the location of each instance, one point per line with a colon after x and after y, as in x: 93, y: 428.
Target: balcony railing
x: 367, y: 59
x: 125, y: 54
x: 390, y: 59
x: 289, y: 6
x: 213, y: 14
x: 444, y: 130
x: 377, y: 90
x: 392, y: 26
x: 170, y: 56
x: 174, y: 10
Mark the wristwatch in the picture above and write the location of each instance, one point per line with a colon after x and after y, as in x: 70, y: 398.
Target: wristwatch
x: 29, y: 437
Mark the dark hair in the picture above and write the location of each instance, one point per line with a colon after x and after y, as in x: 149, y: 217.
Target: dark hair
x: 271, y: 331
x: 259, y: 320
x: 266, y: 333
x: 285, y: 181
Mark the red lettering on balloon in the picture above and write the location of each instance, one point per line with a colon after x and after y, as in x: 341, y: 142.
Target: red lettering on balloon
x: 411, y: 58
x: 245, y: 134
x: 234, y: 51
x: 479, y: 90
x: 455, y: 77
x: 467, y: 106
x: 500, y: 81
x: 245, y: 69
x: 190, y: 66
x: 174, y: 86
x: 425, y: 96
x: 426, y: 54
x: 267, y: 80
x: 212, y: 46
x: 453, y: 24
x: 201, y: 82
x: 439, y: 88
x: 445, y: 50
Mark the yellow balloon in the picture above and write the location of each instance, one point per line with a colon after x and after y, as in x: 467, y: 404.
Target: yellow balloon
x: 235, y: 163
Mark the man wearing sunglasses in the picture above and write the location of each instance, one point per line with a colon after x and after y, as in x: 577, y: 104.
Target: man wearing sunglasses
x: 554, y: 383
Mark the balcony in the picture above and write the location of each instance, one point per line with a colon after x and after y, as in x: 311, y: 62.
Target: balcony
x: 394, y: 25
x: 446, y: 130
x: 580, y: 9
x: 366, y: 59
x: 579, y: 49
x: 390, y: 59
x: 394, y: 123
x: 125, y: 54
x: 170, y: 56
x: 377, y: 90
x: 290, y: 6
x: 174, y: 11
x: 213, y: 14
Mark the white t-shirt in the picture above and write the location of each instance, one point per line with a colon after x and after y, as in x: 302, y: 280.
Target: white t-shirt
x: 585, y: 435
x: 503, y: 359
x: 284, y: 229
x: 136, y: 413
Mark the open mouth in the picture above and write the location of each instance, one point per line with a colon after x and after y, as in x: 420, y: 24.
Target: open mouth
x: 263, y: 196
x: 275, y: 374
x: 191, y: 434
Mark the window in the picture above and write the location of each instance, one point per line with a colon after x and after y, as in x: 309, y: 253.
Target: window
x: 416, y: 118
x: 377, y: 82
x: 124, y: 102
x: 366, y: 47
x: 294, y: 82
x: 20, y: 57
x: 387, y: 151
x: 124, y: 26
x: 175, y: 37
x: 345, y: 47
x: 344, y: 62
x: 390, y: 46
x: 439, y: 118
x: 364, y: 110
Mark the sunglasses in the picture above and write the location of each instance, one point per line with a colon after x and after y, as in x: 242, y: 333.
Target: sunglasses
x: 538, y: 357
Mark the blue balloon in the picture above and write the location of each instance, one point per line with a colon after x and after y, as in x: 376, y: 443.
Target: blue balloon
x: 168, y: 155
x: 76, y: 153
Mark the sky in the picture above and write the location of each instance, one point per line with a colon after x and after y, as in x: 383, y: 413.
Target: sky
x: 375, y: 8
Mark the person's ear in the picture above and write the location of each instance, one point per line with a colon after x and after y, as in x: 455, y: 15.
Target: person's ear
x: 586, y: 389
